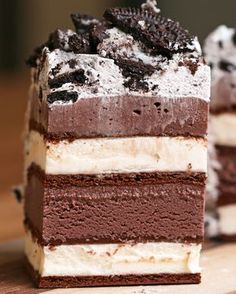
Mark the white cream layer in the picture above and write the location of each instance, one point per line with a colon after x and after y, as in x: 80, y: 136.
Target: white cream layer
x: 113, y: 259
x: 224, y: 129
x: 117, y: 155
x: 227, y: 219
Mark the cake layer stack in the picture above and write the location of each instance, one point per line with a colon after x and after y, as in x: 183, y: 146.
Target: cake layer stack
x: 116, y: 153
x: 220, y: 50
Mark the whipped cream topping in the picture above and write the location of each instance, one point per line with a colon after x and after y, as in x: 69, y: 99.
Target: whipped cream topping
x: 103, y: 77
x: 152, y: 5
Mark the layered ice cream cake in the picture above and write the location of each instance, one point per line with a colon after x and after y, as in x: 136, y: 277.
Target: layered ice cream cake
x: 116, y: 152
x: 220, y: 51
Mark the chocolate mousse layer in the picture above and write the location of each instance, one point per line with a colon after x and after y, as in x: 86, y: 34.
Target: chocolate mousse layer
x: 121, y: 117
x: 115, y: 208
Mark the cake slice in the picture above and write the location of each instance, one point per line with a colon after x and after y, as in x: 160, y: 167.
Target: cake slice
x: 220, y: 51
x: 116, y: 153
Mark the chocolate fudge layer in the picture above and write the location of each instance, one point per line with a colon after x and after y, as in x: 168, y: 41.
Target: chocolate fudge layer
x: 116, y: 152
x: 220, y: 50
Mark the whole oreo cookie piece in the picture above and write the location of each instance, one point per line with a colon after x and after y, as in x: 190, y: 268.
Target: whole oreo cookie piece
x: 160, y: 34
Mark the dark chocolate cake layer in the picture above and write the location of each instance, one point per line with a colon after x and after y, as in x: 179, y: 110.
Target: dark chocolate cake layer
x: 227, y: 158
x: 228, y: 238
x: 227, y: 175
x: 226, y: 198
x: 121, y: 117
x: 115, y: 208
x: 98, y: 281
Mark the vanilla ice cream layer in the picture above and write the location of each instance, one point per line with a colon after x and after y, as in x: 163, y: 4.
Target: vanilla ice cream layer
x: 113, y: 259
x: 117, y: 155
x: 223, y: 128
x: 227, y: 220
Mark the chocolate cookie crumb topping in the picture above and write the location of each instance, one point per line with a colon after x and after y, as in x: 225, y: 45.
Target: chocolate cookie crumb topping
x: 227, y: 66
x: 135, y: 69
x: 56, y: 69
x: 191, y: 64
x: 135, y: 84
x: 98, y: 34
x: 234, y: 38
x: 76, y: 77
x: 79, y: 44
x: 84, y: 23
x: 162, y: 35
x: 220, y: 43
x: 63, y: 96
x: 72, y: 63
x: 66, y: 41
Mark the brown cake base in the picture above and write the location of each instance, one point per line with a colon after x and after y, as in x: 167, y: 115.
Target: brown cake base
x: 101, y: 281
x: 228, y: 238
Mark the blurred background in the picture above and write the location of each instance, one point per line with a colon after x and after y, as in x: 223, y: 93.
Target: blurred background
x: 24, y: 24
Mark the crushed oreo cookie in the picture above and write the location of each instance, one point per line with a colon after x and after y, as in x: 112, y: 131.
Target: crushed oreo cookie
x: 83, y: 23
x: 98, y: 34
x: 79, y: 44
x: 161, y: 35
x: 227, y: 66
x: 57, y: 69
x: 76, y: 77
x: 191, y: 64
x: 72, y: 63
x: 63, y: 96
x: 135, y: 71
x: 18, y: 193
x: 234, y: 38
x: 135, y: 84
x: 220, y: 44
x: 66, y: 41
x: 32, y: 60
